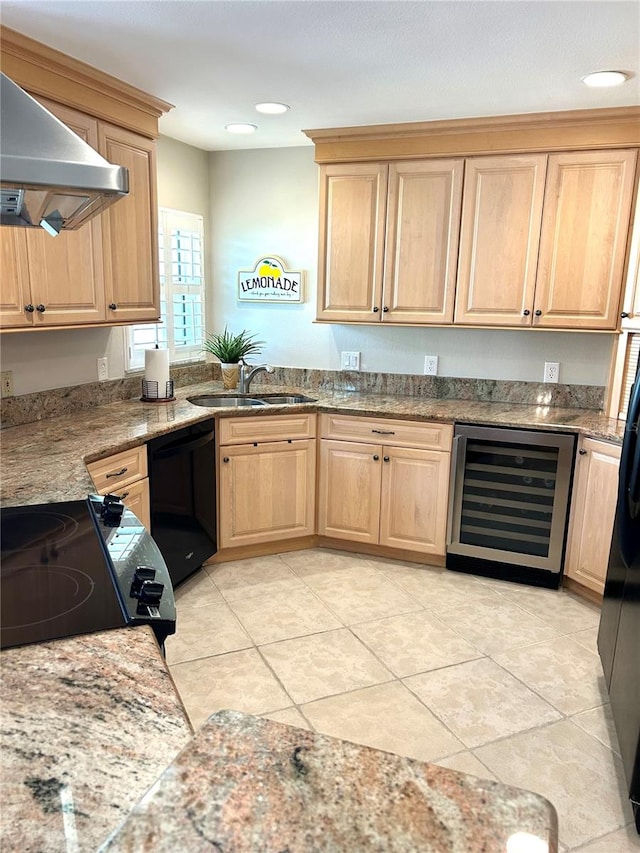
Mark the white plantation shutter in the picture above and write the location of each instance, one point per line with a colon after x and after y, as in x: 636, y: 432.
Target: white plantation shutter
x: 630, y: 367
x: 182, y: 289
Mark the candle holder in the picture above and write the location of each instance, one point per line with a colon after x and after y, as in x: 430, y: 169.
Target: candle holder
x: 151, y: 391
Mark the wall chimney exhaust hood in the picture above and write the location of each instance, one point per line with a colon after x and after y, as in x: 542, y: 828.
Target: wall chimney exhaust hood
x: 49, y: 177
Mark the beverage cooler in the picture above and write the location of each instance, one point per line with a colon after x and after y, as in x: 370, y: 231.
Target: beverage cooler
x: 509, y: 503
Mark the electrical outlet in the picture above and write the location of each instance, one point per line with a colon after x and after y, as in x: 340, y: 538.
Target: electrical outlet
x: 551, y: 371
x: 350, y: 361
x: 6, y: 386
x: 431, y: 365
x: 103, y: 369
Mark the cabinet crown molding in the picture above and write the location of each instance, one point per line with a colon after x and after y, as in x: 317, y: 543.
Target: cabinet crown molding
x: 44, y: 71
x: 529, y: 132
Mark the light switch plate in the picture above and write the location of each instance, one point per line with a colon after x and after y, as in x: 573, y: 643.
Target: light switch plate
x: 350, y: 361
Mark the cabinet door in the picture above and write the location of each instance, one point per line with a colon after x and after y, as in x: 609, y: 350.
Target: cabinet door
x: 423, y: 225
x: 415, y: 486
x: 499, y: 238
x: 592, y: 513
x: 351, y: 241
x: 267, y: 492
x: 130, y: 230
x: 66, y: 271
x: 15, y: 293
x: 136, y: 497
x: 349, y: 491
x: 584, y: 239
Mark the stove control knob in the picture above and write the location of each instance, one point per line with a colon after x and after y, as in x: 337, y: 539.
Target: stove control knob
x: 141, y: 574
x: 112, y: 509
x: 151, y: 593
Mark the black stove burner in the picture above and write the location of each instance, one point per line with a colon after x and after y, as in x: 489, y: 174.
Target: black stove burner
x: 77, y: 567
x: 54, y: 578
x: 54, y: 592
x: 28, y: 528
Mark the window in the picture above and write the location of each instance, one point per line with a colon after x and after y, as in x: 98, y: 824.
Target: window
x: 630, y: 367
x: 181, y: 268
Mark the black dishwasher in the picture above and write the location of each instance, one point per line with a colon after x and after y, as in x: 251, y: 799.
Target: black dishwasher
x: 182, y: 488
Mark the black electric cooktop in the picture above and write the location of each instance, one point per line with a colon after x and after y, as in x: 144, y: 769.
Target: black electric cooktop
x: 55, y: 580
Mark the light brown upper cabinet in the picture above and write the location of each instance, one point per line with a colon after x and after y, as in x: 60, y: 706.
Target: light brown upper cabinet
x: 130, y: 230
x: 501, y: 216
x: 107, y: 270
x: 389, y: 241
x: 584, y: 239
x: 53, y: 281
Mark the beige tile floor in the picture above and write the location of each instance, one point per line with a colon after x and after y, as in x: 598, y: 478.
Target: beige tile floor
x: 493, y: 679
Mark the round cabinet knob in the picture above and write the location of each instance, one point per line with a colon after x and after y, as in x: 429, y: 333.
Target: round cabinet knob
x: 538, y: 313
x: 41, y: 308
x: 29, y: 308
x: 625, y: 314
x: 376, y: 309
x: 385, y: 309
x: 385, y: 458
x: 376, y: 457
x: 526, y: 312
x: 225, y: 459
x: 112, y: 306
x: 582, y: 452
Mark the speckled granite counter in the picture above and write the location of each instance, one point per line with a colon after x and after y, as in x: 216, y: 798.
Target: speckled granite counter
x: 43, y: 461
x: 248, y: 785
x: 88, y: 724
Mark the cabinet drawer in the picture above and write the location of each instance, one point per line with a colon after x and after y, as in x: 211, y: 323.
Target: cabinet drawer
x: 110, y: 474
x: 275, y: 428
x: 385, y: 431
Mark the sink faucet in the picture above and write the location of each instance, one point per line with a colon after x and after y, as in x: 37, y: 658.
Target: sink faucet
x: 247, y: 372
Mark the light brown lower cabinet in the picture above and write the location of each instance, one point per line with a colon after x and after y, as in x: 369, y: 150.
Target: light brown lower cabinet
x: 382, y: 494
x: 593, y: 510
x: 125, y: 474
x: 267, y: 488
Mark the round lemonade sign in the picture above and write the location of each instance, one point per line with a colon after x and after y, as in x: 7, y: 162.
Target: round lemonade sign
x: 268, y: 281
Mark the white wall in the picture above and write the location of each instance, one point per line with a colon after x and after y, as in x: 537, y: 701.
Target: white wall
x: 54, y: 359
x: 265, y: 202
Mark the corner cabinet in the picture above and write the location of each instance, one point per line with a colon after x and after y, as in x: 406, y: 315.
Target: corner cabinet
x: 106, y: 272
x: 389, y: 241
x: 384, y: 482
x: 593, y: 508
x: 267, y: 471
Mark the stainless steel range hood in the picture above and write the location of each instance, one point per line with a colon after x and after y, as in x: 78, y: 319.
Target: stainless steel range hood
x: 49, y: 177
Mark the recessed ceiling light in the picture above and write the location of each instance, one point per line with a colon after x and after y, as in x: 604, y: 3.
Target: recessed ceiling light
x: 272, y: 108
x: 601, y: 79
x: 241, y: 128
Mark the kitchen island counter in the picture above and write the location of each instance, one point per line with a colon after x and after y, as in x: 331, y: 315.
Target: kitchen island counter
x: 88, y: 724
x: 247, y: 784
x: 44, y: 461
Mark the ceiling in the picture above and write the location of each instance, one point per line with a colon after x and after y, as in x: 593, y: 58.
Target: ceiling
x: 338, y: 62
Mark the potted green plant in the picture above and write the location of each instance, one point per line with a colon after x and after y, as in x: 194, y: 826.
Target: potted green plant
x: 229, y: 349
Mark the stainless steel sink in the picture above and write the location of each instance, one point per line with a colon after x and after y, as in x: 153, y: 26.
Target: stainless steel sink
x: 224, y: 402
x: 286, y: 399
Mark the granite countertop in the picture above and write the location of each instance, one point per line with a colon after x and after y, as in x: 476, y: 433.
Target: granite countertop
x: 88, y: 725
x: 249, y: 785
x: 44, y: 461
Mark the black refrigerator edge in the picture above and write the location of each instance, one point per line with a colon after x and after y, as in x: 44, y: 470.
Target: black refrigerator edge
x: 619, y: 632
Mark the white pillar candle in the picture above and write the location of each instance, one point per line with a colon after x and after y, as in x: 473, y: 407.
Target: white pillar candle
x: 156, y: 368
